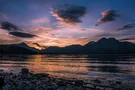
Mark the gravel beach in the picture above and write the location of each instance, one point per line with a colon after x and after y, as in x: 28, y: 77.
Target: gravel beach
x: 25, y: 80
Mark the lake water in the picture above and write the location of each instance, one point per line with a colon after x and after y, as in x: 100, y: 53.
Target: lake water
x: 74, y: 66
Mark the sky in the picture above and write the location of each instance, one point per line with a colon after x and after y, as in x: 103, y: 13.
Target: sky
x: 44, y: 23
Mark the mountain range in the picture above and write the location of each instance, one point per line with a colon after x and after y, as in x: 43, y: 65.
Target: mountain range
x: 20, y: 48
x: 102, y: 46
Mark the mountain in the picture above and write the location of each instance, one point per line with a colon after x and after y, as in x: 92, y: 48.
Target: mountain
x: 67, y: 49
x: 20, y: 48
x: 24, y: 45
x: 102, y: 46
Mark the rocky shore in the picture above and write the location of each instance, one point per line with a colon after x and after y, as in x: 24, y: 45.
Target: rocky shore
x: 25, y: 80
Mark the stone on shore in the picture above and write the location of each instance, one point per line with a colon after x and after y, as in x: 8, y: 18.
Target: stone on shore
x: 25, y: 71
x: 26, y: 80
x: 1, y: 81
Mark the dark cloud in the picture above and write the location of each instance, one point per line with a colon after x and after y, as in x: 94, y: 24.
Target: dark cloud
x: 69, y: 14
x: 107, y: 16
x: 22, y: 34
x: 83, y: 29
x: 132, y: 38
x: 55, y: 35
x: 15, y: 30
x: 39, y: 45
x: 9, y: 26
x: 128, y: 26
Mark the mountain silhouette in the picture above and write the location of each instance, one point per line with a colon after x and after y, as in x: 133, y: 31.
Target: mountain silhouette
x: 102, y: 46
x: 67, y: 49
x: 20, y: 48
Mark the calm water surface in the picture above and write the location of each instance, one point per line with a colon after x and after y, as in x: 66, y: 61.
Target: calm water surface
x: 74, y: 66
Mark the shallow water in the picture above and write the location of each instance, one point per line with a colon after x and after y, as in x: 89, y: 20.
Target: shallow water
x: 74, y: 66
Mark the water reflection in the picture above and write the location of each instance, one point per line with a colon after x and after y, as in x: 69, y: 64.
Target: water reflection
x: 57, y: 66
x: 111, y: 69
x: 73, y: 66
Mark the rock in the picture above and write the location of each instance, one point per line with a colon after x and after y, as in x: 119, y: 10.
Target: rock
x: 25, y: 71
x: 97, y: 81
x: 1, y: 82
x: 42, y: 75
x: 98, y: 88
x: 60, y: 83
x: 118, y: 82
x: 78, y: 82
x: 89, y: 86
x: 1, y: 70
x: 113, y: 84
x: 30, y: 81
x: 51, y: 88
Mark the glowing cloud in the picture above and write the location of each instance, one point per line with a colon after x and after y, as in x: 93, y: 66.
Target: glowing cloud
x: 128, y: 26
x: 42, y: 28
x: 69, y: 15
x: 107, y: 16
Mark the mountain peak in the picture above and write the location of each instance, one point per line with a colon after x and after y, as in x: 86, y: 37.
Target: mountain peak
x: 109, y: 39
x: 23, y: 44
x: 102, y: 40
x: 90, y: 43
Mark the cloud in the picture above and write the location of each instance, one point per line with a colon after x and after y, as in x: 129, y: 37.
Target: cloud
x: 127, y: 39
x: 39, y: 45
x: 9, y: 26
x: 83, y: 29
x: 69, y: 15
x: 8, y: 41
x: 15, y: 30
x: 22, y: 34
x: 107, y: 16
x: 128, y: 26
x: 42, y: 28
x: 42, y: 20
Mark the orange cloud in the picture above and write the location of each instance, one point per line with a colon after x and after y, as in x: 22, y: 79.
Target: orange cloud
x: 107, y: 16
x: 42, y: 28
x: 40, y: 20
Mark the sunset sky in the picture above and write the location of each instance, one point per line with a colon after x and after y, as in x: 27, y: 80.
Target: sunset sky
x: 43, y: 23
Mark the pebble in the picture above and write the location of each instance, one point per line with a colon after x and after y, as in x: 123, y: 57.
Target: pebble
x: 26, y: 80
x: 1, y: 81
x: 118, y: 82
x: 24, y: 71
x: 97, y: 81
x: 1, y: 70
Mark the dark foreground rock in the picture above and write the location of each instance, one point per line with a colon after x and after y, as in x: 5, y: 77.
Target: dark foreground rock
x: 1, y: 81
x: 29, y: 81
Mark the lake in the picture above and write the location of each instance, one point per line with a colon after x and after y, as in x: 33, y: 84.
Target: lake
x: 74, y: 66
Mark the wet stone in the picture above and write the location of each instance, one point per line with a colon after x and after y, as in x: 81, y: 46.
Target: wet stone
x: 51, y: 88
x: 79, y: 82
x: 62, y: 84
x: 1, y: 70
x: 118, y: 82
x: 1, y: 81
x: 27, y: 81
x: 97, y: 81
x: 40, y: 75
x: 25, y: 71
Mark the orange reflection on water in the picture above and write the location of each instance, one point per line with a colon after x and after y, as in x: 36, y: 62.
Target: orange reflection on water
x: 58, y: 66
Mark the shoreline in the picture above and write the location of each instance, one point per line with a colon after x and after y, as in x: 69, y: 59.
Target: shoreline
x: 25, y: 80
